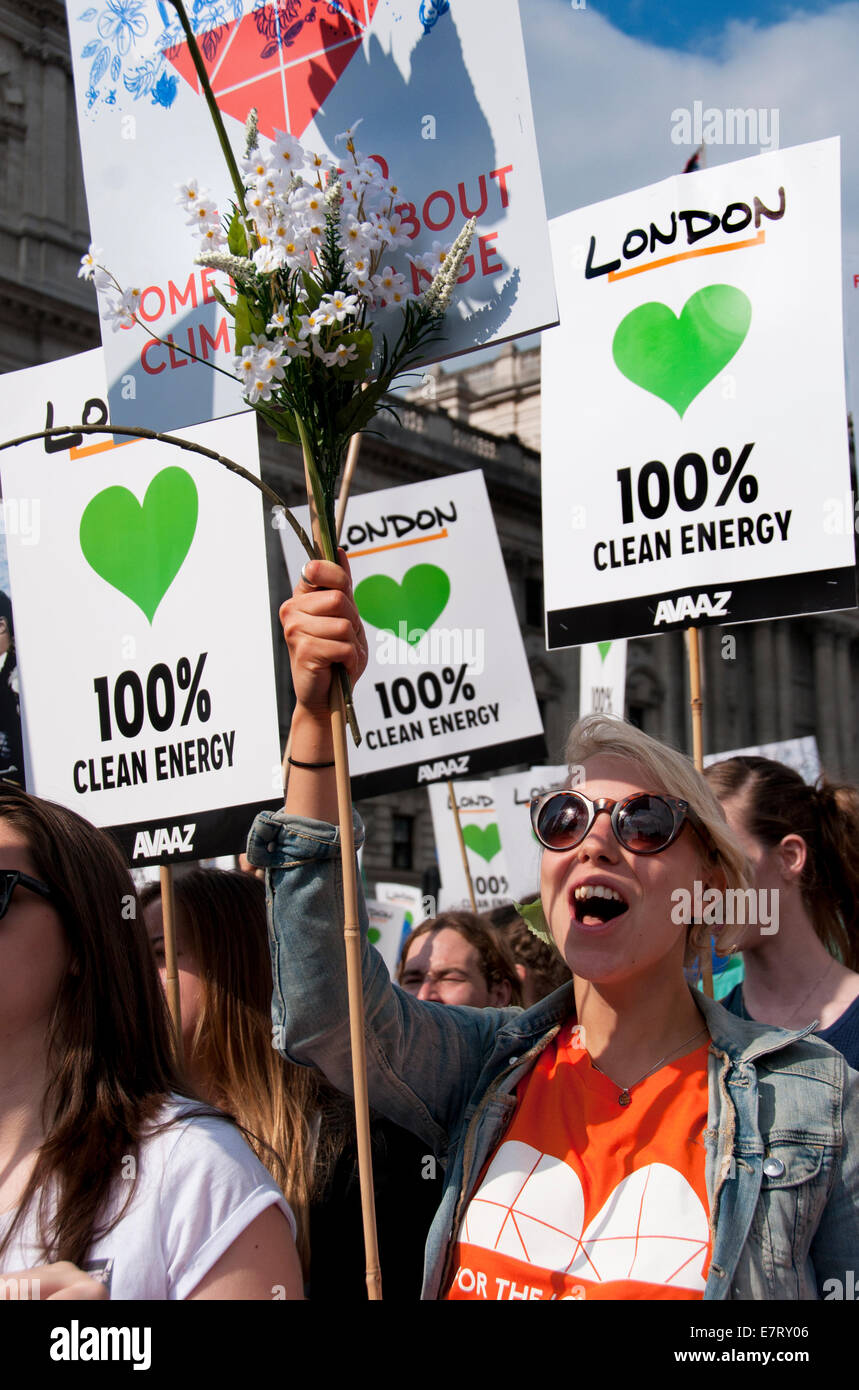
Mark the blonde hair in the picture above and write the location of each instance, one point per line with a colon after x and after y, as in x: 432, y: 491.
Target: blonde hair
x: 669, y: 771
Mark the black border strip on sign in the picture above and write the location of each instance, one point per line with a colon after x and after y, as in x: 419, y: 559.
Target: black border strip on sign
x: 212, y: 832
x: 782, y: 596
x: 476, y: 762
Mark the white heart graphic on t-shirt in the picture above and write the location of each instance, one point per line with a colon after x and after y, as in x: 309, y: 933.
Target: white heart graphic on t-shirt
x: 530, y: 1206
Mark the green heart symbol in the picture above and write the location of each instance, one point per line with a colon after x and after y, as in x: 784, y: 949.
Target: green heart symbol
x: 137, y: 549
x: 603, y: 649
x: 406, y: 609
x: 675, y: 358
x: 483, y: 839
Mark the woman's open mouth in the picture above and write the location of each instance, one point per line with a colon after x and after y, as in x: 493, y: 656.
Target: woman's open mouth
x: 595, y: 904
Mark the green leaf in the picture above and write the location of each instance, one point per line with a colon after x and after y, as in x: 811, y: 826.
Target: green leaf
x: 224, y: 303
x: 312, y: 291
x: 247, y: 322
x: 535, y: 919
x: 236, y: 236
x: 357, y: 370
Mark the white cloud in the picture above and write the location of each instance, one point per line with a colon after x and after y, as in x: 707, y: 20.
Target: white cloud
x: 603, y: 101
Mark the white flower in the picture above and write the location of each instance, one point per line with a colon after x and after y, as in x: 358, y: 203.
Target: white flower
x: 89, y: 264
x: 120, y: 309
x: 343, y: 353
x: 286, y: 151
x: 295, y: 348
x: 244, y: 367
x: 431, y: 260
x: 347, y: 134
x: 339, y: 306
x: 254, y: 164
x: 212, y: 236
x: 280, y: 318
x: 259, y: 389
x: 268, y: 360
x: 201, y: 212
x: 189, y: 194
x: 269, y: 256
x: 356, y: 236
x: 389, y: 280
x: 311, y: 324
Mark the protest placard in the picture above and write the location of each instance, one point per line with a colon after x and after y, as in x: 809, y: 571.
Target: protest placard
x: 799, y: 753
x: 487, y: 863
x: 386, y: 930
x: 142, y: 623
x: 693, y: 403
x: 442, y: 94
x: 512, y: 795
x: 447, y: 691
x: 602, y: 678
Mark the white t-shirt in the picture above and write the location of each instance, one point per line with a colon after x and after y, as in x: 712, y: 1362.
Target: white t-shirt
x: 199, y: 1185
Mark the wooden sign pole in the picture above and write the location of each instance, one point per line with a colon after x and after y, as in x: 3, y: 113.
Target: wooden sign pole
x: 462, y: 849
x: 168, y: 916
x: 697, y: 706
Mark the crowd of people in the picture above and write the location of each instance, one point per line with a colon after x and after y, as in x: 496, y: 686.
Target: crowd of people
x: 556, y: 1111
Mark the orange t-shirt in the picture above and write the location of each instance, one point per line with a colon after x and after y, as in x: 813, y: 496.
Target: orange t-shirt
x: 586, y: 1198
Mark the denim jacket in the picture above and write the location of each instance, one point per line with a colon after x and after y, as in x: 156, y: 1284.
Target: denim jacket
x: 782, y: 1136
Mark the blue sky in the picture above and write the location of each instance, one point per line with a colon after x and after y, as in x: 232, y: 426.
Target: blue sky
x: 690, y: 26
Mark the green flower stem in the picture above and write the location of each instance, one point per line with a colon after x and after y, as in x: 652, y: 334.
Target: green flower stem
x: 329, y: 552
x: 197, y: 58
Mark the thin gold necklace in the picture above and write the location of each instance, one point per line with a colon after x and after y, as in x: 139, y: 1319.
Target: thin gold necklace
x: 625, y: 1098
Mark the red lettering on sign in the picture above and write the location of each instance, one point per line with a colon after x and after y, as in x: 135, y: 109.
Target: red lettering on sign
x: 151, y: 289
x: 501, y: 175
x: 485, y: 252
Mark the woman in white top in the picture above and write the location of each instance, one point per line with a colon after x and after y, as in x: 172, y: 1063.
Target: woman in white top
x: 114, y: 1182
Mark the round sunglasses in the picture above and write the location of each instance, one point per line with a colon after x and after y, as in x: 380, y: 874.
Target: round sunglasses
x: 644, y: 823
x: 9, y: 880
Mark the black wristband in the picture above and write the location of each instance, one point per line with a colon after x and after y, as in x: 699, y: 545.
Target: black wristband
x: 296, y: 763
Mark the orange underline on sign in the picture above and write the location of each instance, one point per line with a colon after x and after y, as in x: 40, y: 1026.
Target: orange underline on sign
x: 397, y: 545
x: 475, y: 810
x: 688, y: 255
x: 84, y: 451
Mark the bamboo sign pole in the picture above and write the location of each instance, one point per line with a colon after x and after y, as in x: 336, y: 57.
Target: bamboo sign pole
x: 352, y: 937
x: 345, y: 484
x: 462, y: 849
x: 352, y: 934
x: 168, y: 916
x: 697, y: 706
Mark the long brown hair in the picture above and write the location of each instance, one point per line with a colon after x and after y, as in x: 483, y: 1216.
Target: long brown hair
x: 777, y: 802
x: 110, y: 1064
x: 232, y: 1052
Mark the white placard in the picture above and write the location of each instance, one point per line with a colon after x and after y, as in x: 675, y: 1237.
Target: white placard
x: 602, y: 678
x: 693, y: 403
x: 447, y: 691
x: 799, y: 753
x: 487, y: 862
x: 410, y: 899
x: 141, y: 622
x: 851, y: 336
x: 513, y: 794
x: 442, y: 92
x: 386, y: 931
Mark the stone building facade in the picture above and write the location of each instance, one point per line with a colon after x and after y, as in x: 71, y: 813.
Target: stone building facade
x: 775, y: 680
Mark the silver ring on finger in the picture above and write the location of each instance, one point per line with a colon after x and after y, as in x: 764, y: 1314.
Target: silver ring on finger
x: 304, y: 578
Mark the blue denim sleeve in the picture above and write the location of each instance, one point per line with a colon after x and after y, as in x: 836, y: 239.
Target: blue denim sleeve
x: 835, y: 1247
x: 423, y: 1059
